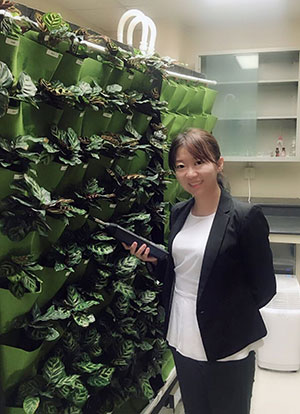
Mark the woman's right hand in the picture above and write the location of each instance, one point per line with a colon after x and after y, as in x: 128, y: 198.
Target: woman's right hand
x: 142, y: 253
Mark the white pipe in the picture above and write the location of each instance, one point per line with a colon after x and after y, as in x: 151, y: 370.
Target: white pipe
x: 145, y: 30
x: 191, y: 78
x: 93, y: 46
x: 123, y: 20
x: 153, y: 33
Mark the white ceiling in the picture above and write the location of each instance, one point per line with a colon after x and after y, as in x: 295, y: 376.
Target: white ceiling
x: 105, y: 14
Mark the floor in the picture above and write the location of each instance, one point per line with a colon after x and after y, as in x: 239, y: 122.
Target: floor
x: 274, y: 392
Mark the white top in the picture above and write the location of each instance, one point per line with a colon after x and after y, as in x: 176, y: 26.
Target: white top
x: 188, y: 251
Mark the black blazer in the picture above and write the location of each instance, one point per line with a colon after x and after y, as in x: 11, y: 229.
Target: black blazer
x: 237, y: 276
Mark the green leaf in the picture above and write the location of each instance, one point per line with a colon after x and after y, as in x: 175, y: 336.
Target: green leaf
x: 38, y: 192
x: 87, y: 367
x: 6, y: 77
x: 144, y: 346
x: 69, y: 381
x: 31, y: 404
x: 73, y: 296
x: 126, y: 349
x: 27, y: 87
x: 4, y: 101
x: 147, y: 296
x: 53, y: 370
x: 102, y: 379
x: 86, y: 305
x: 114, y: 88
x: 53, y: 314
x: 146, y: 388
x: 124, y: 289
x: 31, y: 284
x: 83, y: 320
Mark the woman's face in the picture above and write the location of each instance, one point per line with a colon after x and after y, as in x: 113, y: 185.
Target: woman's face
x: 195, y: 176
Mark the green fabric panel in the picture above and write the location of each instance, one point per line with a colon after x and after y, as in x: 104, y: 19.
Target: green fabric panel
x: 37, y: 122
x: 107, y: 209
x: 209, y: 100
x: 121, y: 77
x: 211, y: 121
x: 52, y: 282
x: 117, y: 122
x: 184, y: 106
x: 138, y: 163
x: 16, y: 364
x: 28, y: 53
x: 141, y: 82
x: 96, y: 167
x: 69, y: 69
x: 167, y: 119
x: 11, y: 124
x: 177, y: 97
x: 196, y: 103
x: 9, y: 52
x: 95, y: 70
x: 57, y: 227
x: 168, y: 88
x: 72, y: 178
x: 29, y: 245
x: 140, y: 122
x: 95, y: 122
x: 12, y: 307
x: 71, y: 118
x: 50, y: 175
x: 6, y: 178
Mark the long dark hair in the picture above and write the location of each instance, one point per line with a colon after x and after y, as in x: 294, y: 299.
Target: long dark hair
x: 200, y: 144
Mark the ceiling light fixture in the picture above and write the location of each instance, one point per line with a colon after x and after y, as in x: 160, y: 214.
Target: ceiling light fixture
x: 248, y: 61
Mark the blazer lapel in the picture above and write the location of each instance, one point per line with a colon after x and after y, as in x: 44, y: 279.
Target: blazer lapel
x: 215, y: 238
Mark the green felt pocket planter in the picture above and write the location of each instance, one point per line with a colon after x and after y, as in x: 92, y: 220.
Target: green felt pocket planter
x: 12, y: 307
x: 210, y: 122
x: 50, y: 175
x: 72, y: 118
x: 36, y: 59
x: 121, y: 77
x: 72, y: 178
x: 141, y: 82
x: 6, y: 178
x: 138, y: 162
x: 69, y: 69
x: 11, y: 124
x: 140, y: 122
x: 95, y: 122
x: 195, y: 105
x: 96, y: 167
x: 95, y: 70
x: 107, y: 209
x: 52, y: 283
x: 209, y: 100
x: 183, y: 107
x: 29, y: 245
x: 16, y: 364
x: 177, y: 97
x: 37, y: 121
x: 168, y: 88
x: 9, y: 52
x: 117, y: 122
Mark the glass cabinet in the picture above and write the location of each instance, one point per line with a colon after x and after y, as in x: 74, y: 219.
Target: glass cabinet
x: 257, y: 104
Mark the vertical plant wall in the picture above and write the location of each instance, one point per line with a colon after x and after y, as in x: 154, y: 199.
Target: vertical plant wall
x: 82, y: 135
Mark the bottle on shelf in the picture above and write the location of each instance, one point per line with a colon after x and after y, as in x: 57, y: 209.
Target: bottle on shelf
x: 277, y: 153
x: 279, y: 145
x: 292, y: 151
x: 283, y: 152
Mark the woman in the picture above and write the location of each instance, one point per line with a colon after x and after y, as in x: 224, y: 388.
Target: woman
x: 218, y: 274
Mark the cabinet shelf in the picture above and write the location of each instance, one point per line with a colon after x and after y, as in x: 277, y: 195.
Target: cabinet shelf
x: 256, y: 106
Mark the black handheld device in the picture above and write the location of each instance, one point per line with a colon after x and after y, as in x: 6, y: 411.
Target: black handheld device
x: 128, y: 237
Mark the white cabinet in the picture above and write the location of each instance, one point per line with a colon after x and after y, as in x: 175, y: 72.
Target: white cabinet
x: 257, y: 103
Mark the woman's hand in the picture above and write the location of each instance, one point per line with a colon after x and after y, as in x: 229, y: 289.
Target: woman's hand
x: 142, y: 253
